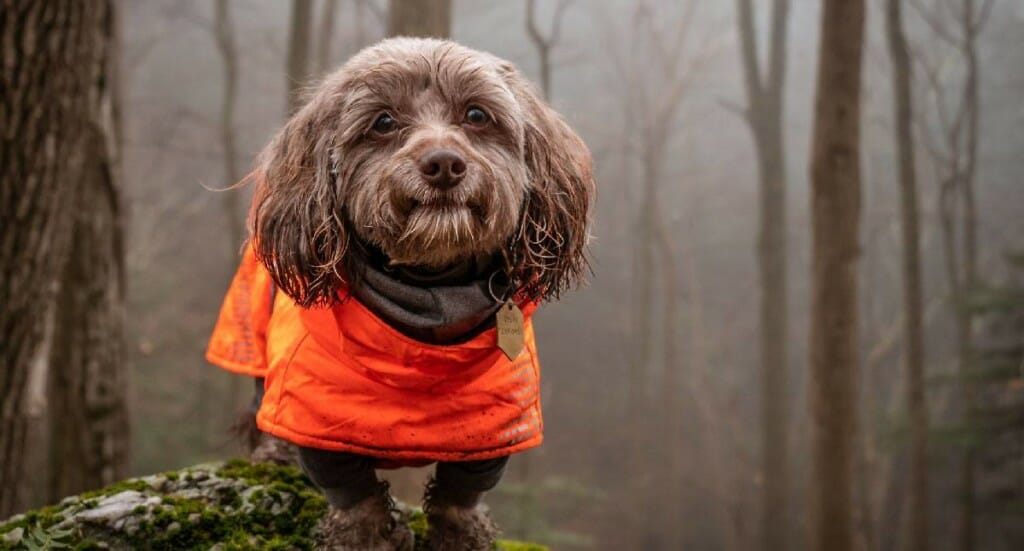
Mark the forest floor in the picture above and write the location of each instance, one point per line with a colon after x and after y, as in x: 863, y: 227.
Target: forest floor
x: 219, y: 506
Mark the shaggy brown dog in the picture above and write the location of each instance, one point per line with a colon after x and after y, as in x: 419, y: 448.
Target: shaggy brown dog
x: 430, y: 155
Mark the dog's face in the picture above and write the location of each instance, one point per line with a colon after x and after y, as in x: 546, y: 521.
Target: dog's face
x: 430, y: 155
x: 434, y: 154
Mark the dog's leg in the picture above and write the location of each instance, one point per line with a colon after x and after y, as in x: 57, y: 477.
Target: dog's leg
x: 263, y: 447
x: 362, y: 516
x: 458, y: 521
x: 271, y: 449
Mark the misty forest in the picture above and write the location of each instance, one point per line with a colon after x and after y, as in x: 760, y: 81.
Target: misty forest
x: 804, y: 322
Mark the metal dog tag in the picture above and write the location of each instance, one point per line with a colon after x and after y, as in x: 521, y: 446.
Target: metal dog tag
x: 509, y: 322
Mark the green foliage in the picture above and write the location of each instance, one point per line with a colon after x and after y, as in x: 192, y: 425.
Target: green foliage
x: 995, y: 376
x: 39, y: 539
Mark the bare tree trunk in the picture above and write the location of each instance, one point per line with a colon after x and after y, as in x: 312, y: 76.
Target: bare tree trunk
x: 643, y: 344
x: 673, y: 366
x: 299, y: 31
x: 655, y: 277
x: 58, y: 180
x: 958, y: 125
x: 764, y: 115
x: 224, y: 34
x: 89, y: 429
x: 428, y: 18
x: 545, y: 44
x: 835, y: 220
x: 325, y: 37
x: 971, y: 22
x: 543, y: 47
x: 360, y: 24
x: 913, y: 356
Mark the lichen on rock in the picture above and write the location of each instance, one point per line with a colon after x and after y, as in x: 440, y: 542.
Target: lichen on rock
x: 219, y: 506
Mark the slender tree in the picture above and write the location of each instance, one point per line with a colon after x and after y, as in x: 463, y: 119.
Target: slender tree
x: 764, y: 115
x: 231, y: 205
x: 224, y: 34
x: 325, y: 36
x: 653, y: 101
x: 544, y: 43
x: 835, y: 225
x: 430, y: 18
x: 60, y: 237
x: 971, y: 22
x: 913, y: 355
x: 955, y: 156
x: 297, y: 69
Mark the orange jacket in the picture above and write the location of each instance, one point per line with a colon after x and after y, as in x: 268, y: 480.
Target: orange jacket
x: 339, y: 378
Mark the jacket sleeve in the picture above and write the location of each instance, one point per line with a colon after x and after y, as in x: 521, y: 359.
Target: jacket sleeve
x: 239, y: 339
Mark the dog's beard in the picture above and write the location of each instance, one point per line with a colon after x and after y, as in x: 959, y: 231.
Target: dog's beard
x: 438, y: 234
x: 416, y: 225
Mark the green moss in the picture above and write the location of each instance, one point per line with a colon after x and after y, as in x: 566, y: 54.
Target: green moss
x: 88, y: 545
x: 240, y: 521
x: 418, y: 524
x: 43, y: 518
x: 134, y: 484
x: 265, y: 474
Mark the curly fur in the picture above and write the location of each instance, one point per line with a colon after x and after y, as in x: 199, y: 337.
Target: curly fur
x: 375, y: 524
x: 328, y: 184
x: 458, y: 522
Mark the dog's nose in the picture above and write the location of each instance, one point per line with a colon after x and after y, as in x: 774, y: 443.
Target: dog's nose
x: 442, y: 168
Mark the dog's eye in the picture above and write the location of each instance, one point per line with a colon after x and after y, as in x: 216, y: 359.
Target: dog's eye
x: 384, y: 124
x: 476, y: 116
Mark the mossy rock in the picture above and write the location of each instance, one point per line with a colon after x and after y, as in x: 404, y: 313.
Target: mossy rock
x: 218, y: 506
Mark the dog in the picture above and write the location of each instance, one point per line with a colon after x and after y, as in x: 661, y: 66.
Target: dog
x: 406, y: 223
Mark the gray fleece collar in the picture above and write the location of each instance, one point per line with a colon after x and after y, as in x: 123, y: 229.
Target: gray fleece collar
x: 445, y: 307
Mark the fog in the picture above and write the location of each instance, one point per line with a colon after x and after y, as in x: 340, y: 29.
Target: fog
x: 652, y: 405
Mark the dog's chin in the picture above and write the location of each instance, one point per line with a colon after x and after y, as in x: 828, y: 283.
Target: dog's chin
x: 439, y: 235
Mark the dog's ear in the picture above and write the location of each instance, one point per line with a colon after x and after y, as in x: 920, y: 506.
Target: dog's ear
x: 295, y: 219
x: 549, y: 249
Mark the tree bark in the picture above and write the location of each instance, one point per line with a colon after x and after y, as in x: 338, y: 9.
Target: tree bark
x: 224, y: 33
x: 89, y: 429
x: 835, y: 221
x: 231, y: 201
x: 958, y: 219
x: 424, y: 18
x: 764, y: 116
x: 297, y: 71
x: 913, y: 355
x: 58, y: 180
x: 545, y: 44
x: 969, y: 225
x: 325, y: 37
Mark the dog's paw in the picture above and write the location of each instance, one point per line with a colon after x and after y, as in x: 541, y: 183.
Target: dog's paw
x: 461, y: 529
x: 372, y: 525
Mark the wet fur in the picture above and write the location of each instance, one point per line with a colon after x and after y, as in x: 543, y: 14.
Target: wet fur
x: 328, y: 185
